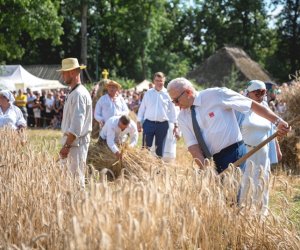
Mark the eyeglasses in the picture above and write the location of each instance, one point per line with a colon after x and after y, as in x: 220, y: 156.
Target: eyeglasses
x: 176, y: 100
x: 259, y: 92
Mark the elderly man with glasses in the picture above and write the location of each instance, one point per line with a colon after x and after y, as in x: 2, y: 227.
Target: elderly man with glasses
x: 208, y: 123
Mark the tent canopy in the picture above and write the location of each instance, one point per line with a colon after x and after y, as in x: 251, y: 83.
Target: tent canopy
x: 14, y: 77
x: 144, y: 85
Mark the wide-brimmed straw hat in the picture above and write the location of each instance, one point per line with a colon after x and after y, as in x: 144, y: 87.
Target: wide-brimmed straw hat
x: 113, y: 83
x: 255, y: 85
x: 68, y: 64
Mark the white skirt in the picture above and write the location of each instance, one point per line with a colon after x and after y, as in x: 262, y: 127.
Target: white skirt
x: 37, y: 113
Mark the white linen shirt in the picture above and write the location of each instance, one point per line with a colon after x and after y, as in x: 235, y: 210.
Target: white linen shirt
x: 13, y: 117
x: 106, y: 108
x: 77, y: 115
x: 112, y: 133
x: 215, y: 115
x: 157, y: 106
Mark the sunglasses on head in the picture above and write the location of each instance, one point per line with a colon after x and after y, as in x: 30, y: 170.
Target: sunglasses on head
x: 176, y: 100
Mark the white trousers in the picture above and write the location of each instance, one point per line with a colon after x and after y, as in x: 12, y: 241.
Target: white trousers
x: 76, y: 162
x: 254, y: 192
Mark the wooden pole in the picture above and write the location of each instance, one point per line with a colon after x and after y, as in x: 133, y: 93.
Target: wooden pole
x: 263, y: 143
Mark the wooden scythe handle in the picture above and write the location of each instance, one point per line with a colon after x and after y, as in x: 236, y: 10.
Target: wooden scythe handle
x: 263, y: 143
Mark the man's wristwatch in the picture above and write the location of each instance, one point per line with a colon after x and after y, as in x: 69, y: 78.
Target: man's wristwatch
x: 67, y: 145
x: 277, y: 121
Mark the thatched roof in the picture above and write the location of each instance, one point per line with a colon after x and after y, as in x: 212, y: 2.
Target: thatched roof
x: 217, y: 69
x: 46, y: 71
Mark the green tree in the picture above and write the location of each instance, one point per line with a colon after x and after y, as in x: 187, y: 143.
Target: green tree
x: 216, y: 23
x: 287, y: 55
x: 23, y: 21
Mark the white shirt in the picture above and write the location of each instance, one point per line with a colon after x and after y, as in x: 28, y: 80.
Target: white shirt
x: 49, y: 104
x: 77, y: 114
x: 106, y: 108
x: 157, y: 106
x: 214, y: 112
x: 112, y: 133
x: 13, y: 117
x: 29, y: 99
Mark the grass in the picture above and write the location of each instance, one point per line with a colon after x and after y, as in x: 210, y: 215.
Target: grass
x: 41, y: 137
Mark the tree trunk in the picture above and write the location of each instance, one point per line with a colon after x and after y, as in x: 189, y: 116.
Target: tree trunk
x: 84, y: 10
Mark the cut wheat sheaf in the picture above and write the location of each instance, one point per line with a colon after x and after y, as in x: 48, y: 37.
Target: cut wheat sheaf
x: 147, y: 205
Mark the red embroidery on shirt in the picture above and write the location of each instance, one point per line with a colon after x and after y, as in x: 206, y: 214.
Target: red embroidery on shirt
x: 211, y: 114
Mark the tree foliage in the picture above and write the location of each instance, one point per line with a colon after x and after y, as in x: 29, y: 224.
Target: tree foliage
x: 135, y: 38
x: 23, y: 22
x: 287, y: 55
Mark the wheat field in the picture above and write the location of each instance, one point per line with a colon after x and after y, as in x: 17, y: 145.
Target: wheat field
x: 173, y: 206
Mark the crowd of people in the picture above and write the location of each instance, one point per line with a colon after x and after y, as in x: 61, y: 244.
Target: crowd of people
x: 41, y: 109
x: 216, y: 123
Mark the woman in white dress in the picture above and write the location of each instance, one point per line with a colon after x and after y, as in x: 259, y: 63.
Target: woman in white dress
x: 10, y: 115
x: 255, y: 129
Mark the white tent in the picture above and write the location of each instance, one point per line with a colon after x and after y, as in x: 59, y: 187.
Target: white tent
x: 13, y: 77
x: 142, y: 86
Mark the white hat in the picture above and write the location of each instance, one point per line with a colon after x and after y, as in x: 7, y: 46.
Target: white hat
x: 8, y: 95
x: 70, y: 64
x: 255, y: 85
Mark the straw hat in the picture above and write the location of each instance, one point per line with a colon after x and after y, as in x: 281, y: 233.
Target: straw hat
x: 255, y: 85
x: 70, y: 64
x: 113, y: 83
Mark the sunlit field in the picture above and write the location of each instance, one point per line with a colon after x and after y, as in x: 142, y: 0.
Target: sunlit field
x: 157, y: 206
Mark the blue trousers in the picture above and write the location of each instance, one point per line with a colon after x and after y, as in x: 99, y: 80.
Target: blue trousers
x: 157, y: 129
x: 228, y: 155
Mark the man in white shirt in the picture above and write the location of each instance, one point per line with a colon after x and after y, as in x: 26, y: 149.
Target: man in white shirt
x: 77, y: 119
x: 156, y: 111
x: 115, y: 132
x: 110, y: 104
x: 214, y: 108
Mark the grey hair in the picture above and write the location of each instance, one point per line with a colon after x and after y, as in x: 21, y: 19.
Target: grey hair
x: 179, y: 84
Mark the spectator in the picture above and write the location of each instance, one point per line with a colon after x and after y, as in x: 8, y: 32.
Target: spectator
x: 57, y: 110
x: 42, y: 102
x: 30, y: 102
x: 135, y: 103
x: 21, y: 101
x: 37, y: 110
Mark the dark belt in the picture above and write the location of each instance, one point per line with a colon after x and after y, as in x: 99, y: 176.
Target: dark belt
x: 229, y: 148
x: 250, y: 146
x: 155, y: 121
